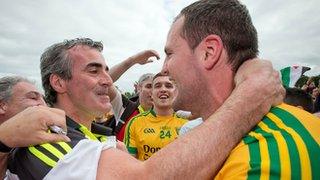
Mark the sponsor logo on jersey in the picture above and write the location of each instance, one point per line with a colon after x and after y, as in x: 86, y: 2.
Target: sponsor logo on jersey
x: 148, y: 130
x: 146, y: 156
x: 148, y: 149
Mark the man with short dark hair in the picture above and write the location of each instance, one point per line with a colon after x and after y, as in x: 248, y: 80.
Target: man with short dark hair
x: 211, y: 40
x: 148, y: 132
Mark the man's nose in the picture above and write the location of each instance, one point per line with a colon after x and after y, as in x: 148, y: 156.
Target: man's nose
x: 163, y: 88
x: 106, y: 79
x: 164, y: 69
x: 41, y: 102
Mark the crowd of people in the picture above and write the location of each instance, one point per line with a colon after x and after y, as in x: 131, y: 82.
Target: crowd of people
x: 211, y: 69
x: 306, y: 97
x: 313, y: 88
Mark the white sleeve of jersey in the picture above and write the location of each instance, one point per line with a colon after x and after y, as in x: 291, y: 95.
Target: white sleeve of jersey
x: 81, y: 162
x: 183, y: 114
x: 190, y: 125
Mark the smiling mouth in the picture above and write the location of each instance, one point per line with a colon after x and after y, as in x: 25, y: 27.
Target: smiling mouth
x: 103, y: 94
x: 164, y: 96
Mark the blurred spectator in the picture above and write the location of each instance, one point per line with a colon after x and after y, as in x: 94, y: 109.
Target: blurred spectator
x: 126, y: 109
x: 316, y: 108
x: 299, y: 98
x: 309, y: 86
x: 17, y: 94
x: 315, y: 94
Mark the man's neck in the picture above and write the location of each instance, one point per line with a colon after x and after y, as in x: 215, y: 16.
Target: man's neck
x: 165, y: 111
x: 78, y: 116
x: 84, y: 121
x: 145, y: 107
x: 219, y: 88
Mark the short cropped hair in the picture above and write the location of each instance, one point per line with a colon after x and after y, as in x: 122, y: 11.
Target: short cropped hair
x: 145, y: 77
x: 160, y: 74
x: 228, y: 19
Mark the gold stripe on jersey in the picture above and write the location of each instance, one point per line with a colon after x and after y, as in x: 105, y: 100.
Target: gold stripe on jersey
x: 264, y: 154
x: 302, y: 149
x: 307, y: 119
x: 283, y: 150
x: 311, y: 170
x: 290, y: 143
x: 284, y: 145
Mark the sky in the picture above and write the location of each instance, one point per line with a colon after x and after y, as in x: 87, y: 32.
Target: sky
x: 288, y: 31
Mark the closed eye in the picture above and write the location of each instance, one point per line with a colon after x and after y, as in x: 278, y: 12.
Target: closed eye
x: 93, y: 71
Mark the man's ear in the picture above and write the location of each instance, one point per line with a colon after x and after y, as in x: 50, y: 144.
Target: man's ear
x: 3, y: 107
x: 213, y: 47
x: 57, y: 83
x: 139, y: 87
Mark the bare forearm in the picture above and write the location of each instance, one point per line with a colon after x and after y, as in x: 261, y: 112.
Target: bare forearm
x: 116, y: 71
x: 139, y: 58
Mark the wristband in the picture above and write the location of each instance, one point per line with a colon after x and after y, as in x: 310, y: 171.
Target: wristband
x: 4, y: 148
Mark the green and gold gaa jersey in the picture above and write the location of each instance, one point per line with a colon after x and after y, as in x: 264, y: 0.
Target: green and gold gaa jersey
x: 284, y: 145
x: 147, y: 133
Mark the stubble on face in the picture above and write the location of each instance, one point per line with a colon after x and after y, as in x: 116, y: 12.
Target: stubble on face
x: 85, y: 90
x: 180, y: 66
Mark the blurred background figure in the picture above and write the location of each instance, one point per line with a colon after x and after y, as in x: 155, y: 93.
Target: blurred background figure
x: 299, y: 98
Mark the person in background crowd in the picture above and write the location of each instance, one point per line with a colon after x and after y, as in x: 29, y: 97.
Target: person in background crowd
x: 127, y: 109
x: 309, y: 86
x: 18, y: 94
x: 299, y: 98
x: 315, y: 94
x: 148, y: 132
x: 316, y: 106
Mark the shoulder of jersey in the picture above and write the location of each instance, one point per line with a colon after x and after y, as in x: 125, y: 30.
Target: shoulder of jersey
x: 140, y: 115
